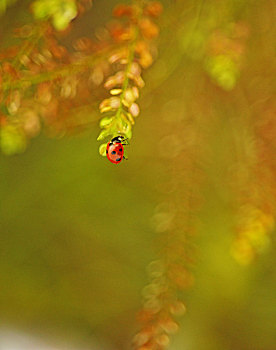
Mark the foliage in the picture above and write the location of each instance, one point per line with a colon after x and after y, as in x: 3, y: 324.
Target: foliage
x: 121, y: 108
x: 206, y: 142
x: 60, y: 11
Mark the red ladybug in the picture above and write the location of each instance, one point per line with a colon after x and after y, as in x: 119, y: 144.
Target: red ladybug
x: 115, y: 149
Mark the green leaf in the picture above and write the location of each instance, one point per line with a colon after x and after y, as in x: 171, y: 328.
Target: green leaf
x: 128, y: 133
x: 60, y: 11
x: 103, y: 134
x: 102, y: 149
x: 106, y: 121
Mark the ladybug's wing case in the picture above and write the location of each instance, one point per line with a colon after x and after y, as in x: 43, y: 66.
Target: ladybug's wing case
x: 114, y: 152
x: 119, y: 152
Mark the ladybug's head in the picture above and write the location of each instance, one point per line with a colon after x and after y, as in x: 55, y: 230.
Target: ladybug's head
x: 119, y: 139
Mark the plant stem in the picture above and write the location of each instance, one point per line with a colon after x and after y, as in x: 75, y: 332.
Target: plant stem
x: 128, y: 67
x: 66, y: 70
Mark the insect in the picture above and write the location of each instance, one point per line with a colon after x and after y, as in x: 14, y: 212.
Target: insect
x: 115, y: 149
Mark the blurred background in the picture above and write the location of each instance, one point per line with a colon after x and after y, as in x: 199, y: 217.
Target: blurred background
x: 78, y: 232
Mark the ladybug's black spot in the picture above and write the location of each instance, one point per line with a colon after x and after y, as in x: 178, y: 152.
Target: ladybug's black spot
x: 118, y: 159
x: 120, y: 150
x: 113, y: 152
x: 106, y: 151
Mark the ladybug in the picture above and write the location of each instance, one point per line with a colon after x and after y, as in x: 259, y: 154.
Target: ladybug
x: 115, y: 149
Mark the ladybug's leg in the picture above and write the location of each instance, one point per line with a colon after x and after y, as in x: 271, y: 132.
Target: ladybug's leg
x: 126, y: 158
